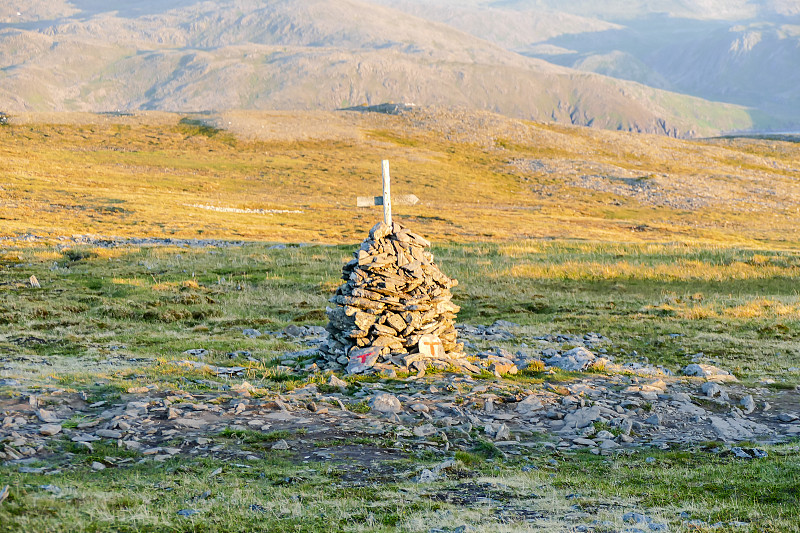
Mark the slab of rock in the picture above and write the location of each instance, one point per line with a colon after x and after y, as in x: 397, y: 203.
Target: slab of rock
x: 430, y: 346
x: 649, y: 395
x: 385, y: 403
x: 420, y: 408
x: 48, y: 430
x: 293, y: 330
x: 425, y: 430
x: 654, y: 420
x: 748, y: 404
x: 502, y: 433
x: 46, y: 416
x: 582, y: 417
x: 361, y: 359
x: 530, y: 404
x: 426, y: 476
x: 691, y: 409
x: 336, y: 382
x: 84, y: 437
x: 711, y: 389
x: 710, y: 372
x: 109, y: 433
x: 501, y: 369
x: 737, y: 429
x: 607, y: 444
x: 194, y: 423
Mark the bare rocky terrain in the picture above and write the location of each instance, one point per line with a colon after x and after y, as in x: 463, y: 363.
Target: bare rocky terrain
x: 362, y: 429
x: 611, y: 409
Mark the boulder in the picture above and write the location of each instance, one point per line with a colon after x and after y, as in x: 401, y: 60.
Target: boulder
x: 574, y: 360
x: 385, y: 403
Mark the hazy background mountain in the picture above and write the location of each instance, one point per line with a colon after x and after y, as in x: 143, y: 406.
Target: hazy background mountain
x: 744, y: 52
x: 190, y: 55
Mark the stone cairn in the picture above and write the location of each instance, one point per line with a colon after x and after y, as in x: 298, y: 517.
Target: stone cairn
x: 394, y: 311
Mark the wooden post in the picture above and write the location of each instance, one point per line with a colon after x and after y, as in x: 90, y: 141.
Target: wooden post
x: 387, y: 195
x: 386, y: 200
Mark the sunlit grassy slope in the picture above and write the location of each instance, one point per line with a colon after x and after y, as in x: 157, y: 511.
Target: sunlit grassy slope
x: 480, y: 177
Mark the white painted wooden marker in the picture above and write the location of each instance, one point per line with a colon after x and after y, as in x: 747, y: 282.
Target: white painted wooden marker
x: 387, y: 194
x: 386, y: 199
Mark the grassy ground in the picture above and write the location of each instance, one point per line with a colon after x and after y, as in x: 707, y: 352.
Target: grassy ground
x: 279, y: 494
x: 662, y: 283
x: 141, y: 307
x: 664, y: 302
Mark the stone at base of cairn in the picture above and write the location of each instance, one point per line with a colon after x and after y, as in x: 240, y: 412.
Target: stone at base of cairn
x: 393, y: 295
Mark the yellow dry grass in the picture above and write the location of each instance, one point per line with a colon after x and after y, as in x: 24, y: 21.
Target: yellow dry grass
x: 162, y: 176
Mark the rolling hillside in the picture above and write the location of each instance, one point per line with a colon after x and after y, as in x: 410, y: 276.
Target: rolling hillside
x: 294, y: 176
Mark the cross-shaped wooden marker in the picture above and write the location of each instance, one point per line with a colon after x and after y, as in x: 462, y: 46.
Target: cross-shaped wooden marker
x: 386, y: 199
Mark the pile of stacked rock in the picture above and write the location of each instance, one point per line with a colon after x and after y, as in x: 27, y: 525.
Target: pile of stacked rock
x: 394, y: 311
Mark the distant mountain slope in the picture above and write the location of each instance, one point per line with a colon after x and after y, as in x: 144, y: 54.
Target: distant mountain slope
x: 513, y: 29
x: 620, y: 10
x: 186, y: 55
x: 755, y: 64
x: 742, y: 52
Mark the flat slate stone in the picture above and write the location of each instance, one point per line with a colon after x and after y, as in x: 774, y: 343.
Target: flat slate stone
x: 582, y: 417
x: 49, y: 430
x: 710, y: 372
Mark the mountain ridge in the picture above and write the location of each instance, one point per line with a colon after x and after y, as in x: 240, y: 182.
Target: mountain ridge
x: 317, y: 54
x: 742, y: 52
